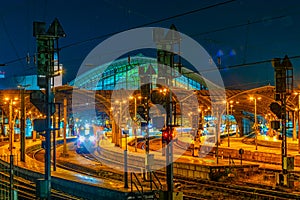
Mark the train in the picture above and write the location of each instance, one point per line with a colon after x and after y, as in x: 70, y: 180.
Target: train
x: 86, y: 139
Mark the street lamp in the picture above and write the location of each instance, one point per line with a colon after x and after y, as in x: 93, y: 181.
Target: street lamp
x: 228, y: 113
x: 22, y: 120
x: 120, y: 132
x: 231, y: 106
x: 11, y: 141
x: 125, y: 161
x: 120, y: 120
x: 11, y: 102
x: 227, y: 121
x: 255, y: 118
x: 231, y: 113
x: 135, y: 119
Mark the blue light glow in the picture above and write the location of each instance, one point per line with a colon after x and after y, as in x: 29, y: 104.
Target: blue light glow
x: 220, y: 53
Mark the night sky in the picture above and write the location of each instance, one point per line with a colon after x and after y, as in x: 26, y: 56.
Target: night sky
x: 240, y: 32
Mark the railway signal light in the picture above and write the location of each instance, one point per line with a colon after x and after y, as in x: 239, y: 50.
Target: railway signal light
x: 164, y: 136
x: 276, y: 109
x: 167, y: 135
x: 280, y: 75
x: 283, y: 76
x: 275, y: 125
x: 142, y: 111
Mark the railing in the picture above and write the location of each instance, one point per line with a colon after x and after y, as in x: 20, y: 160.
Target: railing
x: 141, y: 192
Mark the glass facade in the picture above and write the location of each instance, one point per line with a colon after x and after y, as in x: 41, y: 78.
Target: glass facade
x: 120, y: 74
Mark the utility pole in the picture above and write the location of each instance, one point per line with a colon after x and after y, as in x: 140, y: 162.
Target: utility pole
x: 22, y: 125
x: 65, y: 153
x: 46, y: 41
x: 22, y: 121
x: 11, y: 156
x: 227, y: 122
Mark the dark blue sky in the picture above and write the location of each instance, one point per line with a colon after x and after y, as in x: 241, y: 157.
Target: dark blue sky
x: 240, y: 31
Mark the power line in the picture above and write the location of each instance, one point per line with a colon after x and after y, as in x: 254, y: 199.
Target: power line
x: 203, y: 33
x: 10, y: 40
x: 207, y: 70
x: 234, y: 86
x: 149, y: 23
x: 238, y: 65
x: 168, y: 18
x: 239, y: 25
x: 138, y: 26
x: 255, y: 63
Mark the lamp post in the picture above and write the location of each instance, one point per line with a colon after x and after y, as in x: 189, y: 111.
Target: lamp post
x: 11, y: 142
x: 218, y: 115
x: 23, y: 118
x: 121, y: 132
x: 163, y: 91
x: 120, y: 121
x: 65, y: 105
x: 228, y: 104
x: 11, y: 139
x: 125, y: 162
x: 294, y: 124
x: 255, y: 118
x: 231, y: 113
x: 134, y: 125
x: 227, y: 122
x: 10, y: 124
x: 11, y: 134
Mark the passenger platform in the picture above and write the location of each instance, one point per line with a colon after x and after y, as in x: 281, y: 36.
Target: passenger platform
x: 183, y: 166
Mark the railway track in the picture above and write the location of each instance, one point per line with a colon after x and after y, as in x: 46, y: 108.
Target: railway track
x: 26, y: 189
x: 234, y: 191
x: 206, y: 189
x: 249, y: 139
x: 220, y: 189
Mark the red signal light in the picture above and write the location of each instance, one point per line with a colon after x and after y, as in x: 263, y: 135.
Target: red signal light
x: 167, y: 135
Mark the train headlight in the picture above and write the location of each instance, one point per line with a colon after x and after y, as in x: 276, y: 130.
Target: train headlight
x: 81, y: 138
x: 92, y: 138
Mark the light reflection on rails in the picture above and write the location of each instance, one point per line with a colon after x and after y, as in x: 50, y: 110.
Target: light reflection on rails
x: 247, y: 191
x: 238, y: 190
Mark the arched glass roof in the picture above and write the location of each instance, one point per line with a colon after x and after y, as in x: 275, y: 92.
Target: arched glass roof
x: 122, y: 74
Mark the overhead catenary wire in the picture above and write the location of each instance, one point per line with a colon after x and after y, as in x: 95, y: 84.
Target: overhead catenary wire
x: 180, y: 15
x: 192, y: 35
x: 211, y: 69
x: 19, y: 59
x: 150, y: 23
x: 10, y: 41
